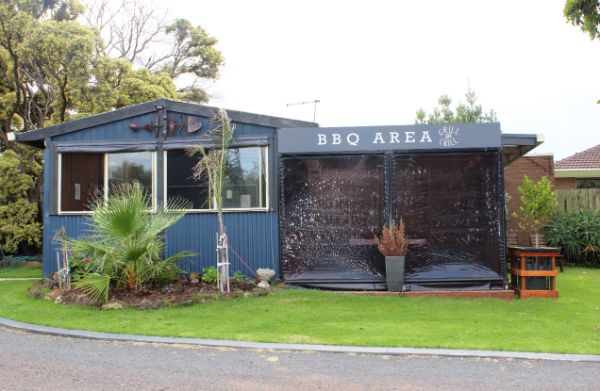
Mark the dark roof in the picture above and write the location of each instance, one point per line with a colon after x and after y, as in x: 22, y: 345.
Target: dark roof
x: 515, y: 145
x: 588, y: 159
x: 37, y: 137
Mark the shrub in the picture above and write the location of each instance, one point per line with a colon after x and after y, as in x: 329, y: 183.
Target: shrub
x: 578, y: 234
x: 209, y: 275
x: 19, y: 225
x: 125, y: 248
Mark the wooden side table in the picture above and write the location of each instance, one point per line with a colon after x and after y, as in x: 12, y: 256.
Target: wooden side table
x: 533, y: 270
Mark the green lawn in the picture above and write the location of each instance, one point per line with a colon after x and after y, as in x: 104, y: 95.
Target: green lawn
x: 570, y: 324
x: 21, y: 272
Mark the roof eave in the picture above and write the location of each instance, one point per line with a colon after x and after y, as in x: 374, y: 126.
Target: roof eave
x: 577, y: 172
x: 36, y: 137
x: 515, y: 145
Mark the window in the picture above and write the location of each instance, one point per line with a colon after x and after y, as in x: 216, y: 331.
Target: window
x: 588, y: 183
x: 81, y: 179
x: 83, y: 176
x: 130, y: 168
x: 244, y: 184
x: 244, y: 187
x: 180, y: 182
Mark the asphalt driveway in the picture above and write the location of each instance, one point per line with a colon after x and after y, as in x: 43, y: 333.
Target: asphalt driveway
x: 40, y: 362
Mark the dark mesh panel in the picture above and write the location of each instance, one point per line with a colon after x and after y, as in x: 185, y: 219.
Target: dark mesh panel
x: 330, y: 208
x: 452, y: 202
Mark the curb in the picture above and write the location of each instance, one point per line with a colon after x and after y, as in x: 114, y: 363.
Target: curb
x: 395, y: 351
x: 18, y: 279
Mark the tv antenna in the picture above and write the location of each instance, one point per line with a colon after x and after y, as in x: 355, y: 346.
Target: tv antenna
x: 307, y: 102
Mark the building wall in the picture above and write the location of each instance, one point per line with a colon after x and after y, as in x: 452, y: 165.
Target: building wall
x: 535, y: 167
x: 565, y: 183
x: 253, y: 235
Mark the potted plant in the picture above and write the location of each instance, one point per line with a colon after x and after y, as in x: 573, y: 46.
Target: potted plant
x: 392, y: 244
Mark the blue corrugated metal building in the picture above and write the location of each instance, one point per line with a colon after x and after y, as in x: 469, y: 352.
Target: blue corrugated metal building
x: 85, y: 155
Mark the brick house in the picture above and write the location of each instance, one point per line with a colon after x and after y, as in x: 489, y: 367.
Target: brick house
x: 579, y: 171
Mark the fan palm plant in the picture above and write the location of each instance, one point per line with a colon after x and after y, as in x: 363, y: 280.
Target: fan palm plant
x: 125, y: 248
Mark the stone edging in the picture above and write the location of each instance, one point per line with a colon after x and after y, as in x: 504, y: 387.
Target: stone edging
x: 396, y: 351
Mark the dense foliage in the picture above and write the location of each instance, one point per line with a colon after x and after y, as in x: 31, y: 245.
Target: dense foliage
x: 585, y: 14
x: 54, y: 68
x: 125, y: 247
x: 19, y: 224
x: 577, y: 232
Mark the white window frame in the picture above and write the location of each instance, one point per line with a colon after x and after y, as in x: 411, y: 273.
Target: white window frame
x: 104, y: 184
x: 213, y: 209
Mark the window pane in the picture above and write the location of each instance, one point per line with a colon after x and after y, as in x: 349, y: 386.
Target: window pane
x: 180, y: 181
x: 81, y: 180
x: 588, y: 183
x: 130, y: 168
x: 244, y: 183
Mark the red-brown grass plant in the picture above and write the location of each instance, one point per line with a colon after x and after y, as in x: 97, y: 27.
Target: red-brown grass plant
x: 392, y: 241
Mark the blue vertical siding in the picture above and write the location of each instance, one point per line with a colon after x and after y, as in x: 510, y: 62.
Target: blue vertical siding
x: 253, y: 235
x: 117, y: 130
x: 75, y: 227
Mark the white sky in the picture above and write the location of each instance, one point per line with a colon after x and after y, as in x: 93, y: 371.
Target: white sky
x: 375, y: 62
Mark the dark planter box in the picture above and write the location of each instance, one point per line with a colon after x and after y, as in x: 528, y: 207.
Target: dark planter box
x: 394, y: 271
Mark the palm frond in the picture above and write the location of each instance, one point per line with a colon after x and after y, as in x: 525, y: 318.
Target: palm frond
x: 96, y: 286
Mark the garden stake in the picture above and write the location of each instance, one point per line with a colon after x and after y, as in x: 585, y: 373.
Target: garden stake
x: 58, y: 269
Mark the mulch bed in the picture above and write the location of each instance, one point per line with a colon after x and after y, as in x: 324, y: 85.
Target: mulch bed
x: 152, y: 297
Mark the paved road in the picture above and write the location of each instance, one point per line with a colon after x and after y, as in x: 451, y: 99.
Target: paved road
x: 38, y: 362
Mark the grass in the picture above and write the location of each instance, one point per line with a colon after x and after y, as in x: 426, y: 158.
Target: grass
x: 570, y: 324
x: 21, y: 272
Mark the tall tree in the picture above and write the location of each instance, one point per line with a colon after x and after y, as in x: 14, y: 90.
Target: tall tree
x: 586, y: 15
x: 465, y: 113
x: 138, y: 31
x: 51, y: 71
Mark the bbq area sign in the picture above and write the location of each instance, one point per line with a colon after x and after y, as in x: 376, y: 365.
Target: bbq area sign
x: 385, y: 138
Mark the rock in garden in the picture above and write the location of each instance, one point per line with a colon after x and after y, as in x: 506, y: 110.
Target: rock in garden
x: 113, y: 305
x: 53, y: 294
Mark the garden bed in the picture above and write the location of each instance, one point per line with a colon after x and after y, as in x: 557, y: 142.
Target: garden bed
x: 149, y: 297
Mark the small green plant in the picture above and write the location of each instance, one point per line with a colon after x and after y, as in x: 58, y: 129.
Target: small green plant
x: 538, y: 205
x: 209, y: 275
x: 238, y: 276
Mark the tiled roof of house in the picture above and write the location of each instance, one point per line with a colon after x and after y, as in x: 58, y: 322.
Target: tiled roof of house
x: 590, y: 158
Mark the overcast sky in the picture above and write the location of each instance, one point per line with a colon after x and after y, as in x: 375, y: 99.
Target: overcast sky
x: 375, y: 62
